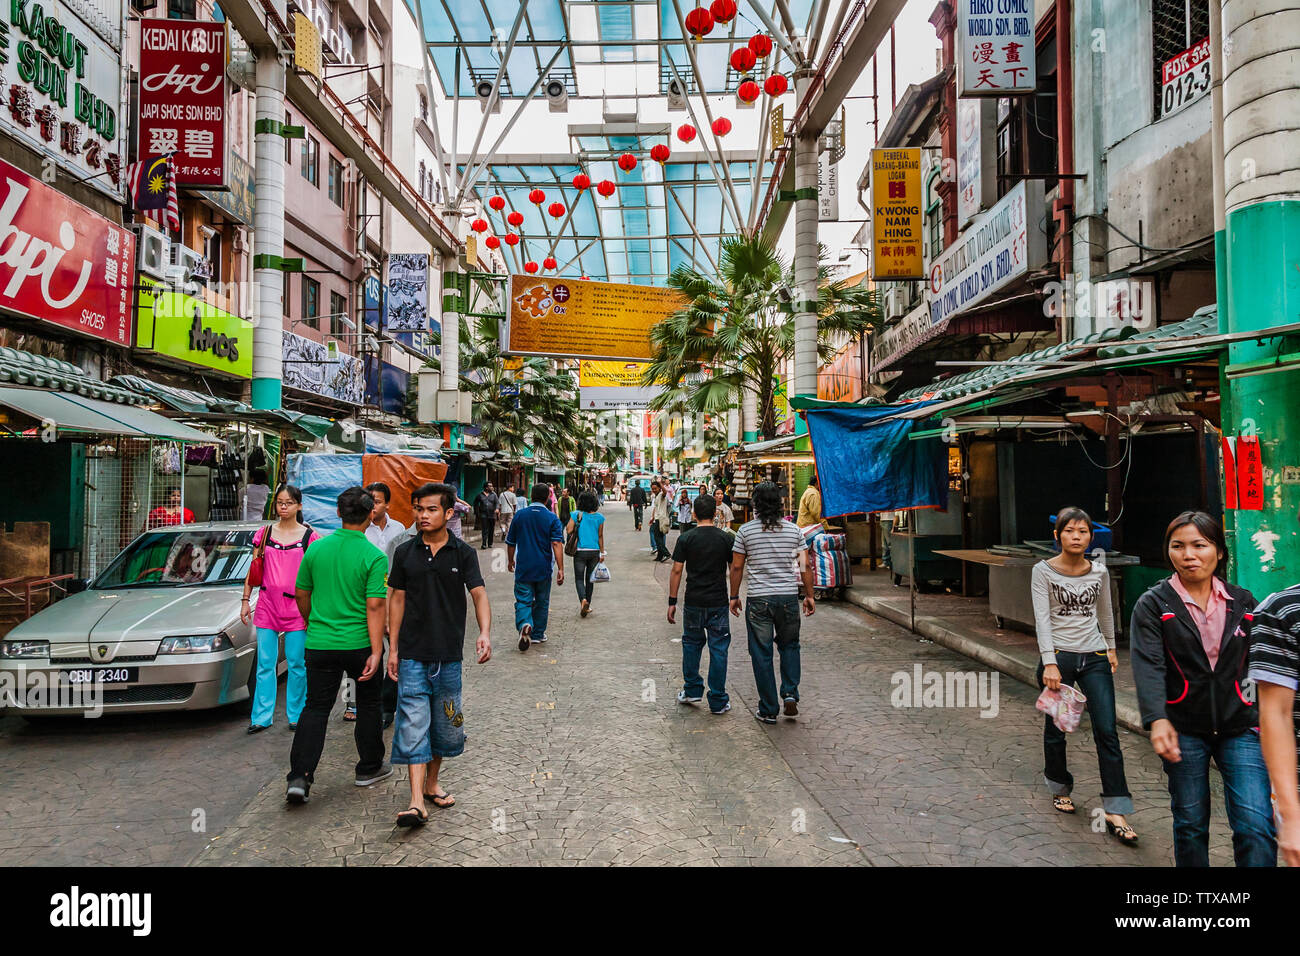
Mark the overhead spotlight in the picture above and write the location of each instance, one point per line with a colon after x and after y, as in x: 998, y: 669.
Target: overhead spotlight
x: 676, y: 96
x: 483, y: 90
x: 557, y: 95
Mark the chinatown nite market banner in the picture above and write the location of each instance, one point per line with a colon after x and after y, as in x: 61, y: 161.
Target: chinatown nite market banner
x: 585, y: 319
x: 61, y: 262
x: 62, y: 89
x: 605, y: 385
x: 183, y: 98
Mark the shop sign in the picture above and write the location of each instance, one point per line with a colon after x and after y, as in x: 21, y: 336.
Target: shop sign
x: 828, y: 189
x: 61, y: 262
x: 606, y: 320
x: 1185, y: 78
x: 1000, y: 246
x: 188, y: 329
x: 995, y: 43
x: 310, y: 367
x: 62, y: 89
x: 914, y: 329
x: 606, y: 385
x: 896, y: 214
x: 976, y: 160
x: 183, y: 98
x: 374, y: 302
x: 408, y: 292
x: 240, y: 200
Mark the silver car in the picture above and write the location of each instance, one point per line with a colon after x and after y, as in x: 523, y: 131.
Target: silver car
x: 159, y: 629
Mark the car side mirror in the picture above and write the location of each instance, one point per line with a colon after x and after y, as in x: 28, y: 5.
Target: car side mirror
x: 77, y: 585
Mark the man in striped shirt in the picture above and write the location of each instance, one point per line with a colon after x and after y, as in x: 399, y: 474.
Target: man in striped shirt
x: 1275, y: 671
x: 767, y: 551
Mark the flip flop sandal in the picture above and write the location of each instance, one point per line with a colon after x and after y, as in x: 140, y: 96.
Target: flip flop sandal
x: 441, y: 800
x: 350, y: 714
x: 413, y: 817
x: 1125, y: 834
x: 1063, y: 804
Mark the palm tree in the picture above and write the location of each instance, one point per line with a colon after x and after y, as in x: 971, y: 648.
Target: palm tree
x: 730, y: 341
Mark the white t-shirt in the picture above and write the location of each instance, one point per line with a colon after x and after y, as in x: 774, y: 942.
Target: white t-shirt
x: 380, y: 537
x: 506, y: 502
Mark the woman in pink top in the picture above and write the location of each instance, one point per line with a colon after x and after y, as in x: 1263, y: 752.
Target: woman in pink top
x: 277, y: 611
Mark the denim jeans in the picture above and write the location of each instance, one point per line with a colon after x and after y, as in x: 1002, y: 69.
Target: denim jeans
x: 658, y: 541
x: 1091, y: 672
x: 636, y: 515
x: 429, y: 719
x: 774, y: 619
x: 533, y: 605
x: 325, y: 670
x: 295, y: 688
x: 584, y: 566
x: 701, y: 625
x: 1246, y: 796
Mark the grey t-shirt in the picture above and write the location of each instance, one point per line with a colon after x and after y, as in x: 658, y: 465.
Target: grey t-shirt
x: 770, y: 557
x: 1072, y: 613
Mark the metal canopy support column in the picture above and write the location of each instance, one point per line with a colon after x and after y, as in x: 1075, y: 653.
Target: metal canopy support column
x: 433, y: 108
x: 268, y: 232
x: 805, y: 253
x: 728, y: 199
x: 757, y: 171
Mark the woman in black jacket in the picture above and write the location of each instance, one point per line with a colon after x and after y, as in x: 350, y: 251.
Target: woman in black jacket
x: 1190, y: 637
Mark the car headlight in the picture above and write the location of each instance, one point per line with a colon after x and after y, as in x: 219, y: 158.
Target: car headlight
x: 24, y: 649
x: 195, y: 644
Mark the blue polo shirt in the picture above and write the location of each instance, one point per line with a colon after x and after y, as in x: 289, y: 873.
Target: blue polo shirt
x: 532, y: 532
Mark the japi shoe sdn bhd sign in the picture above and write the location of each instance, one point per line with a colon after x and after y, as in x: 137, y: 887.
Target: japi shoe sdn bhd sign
x: 183, y: 98
x: 62, y: 89
x: 995, y: 40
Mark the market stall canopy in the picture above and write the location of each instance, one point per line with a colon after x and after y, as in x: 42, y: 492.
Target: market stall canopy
x: 196, y: 403
x: 26, y: 368
x: 94, y: 417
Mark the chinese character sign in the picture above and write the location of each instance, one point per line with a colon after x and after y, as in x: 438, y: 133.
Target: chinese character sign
x: 896, y: 219
x: 995, y: 47
x: 183, y: 98
x: 1250, y: 474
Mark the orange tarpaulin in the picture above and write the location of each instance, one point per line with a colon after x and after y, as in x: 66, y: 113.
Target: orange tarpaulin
x: 403, y: 475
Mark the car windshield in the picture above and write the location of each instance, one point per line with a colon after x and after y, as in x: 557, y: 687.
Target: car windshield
x: 179, y: 558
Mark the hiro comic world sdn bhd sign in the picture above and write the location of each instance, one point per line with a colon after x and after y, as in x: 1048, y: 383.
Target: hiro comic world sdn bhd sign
x: 995, y: 40
x: 183, y: 98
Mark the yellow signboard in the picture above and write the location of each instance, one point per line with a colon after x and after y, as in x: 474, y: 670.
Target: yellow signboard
x: 778, y: 126
x: 512, y: 363
x: 306, y: 46
x: 896, y: 214
x: 471, y: 252
x: 610, y: 374
x: 582, y: 319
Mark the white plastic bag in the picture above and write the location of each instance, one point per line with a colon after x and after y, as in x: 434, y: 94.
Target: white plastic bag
x: 601, y: 573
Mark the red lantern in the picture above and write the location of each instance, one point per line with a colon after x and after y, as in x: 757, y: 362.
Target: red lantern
x: 776, y: 84
x: 492, y: 242
x: 530, y: 267
x: 686, y: 132
x: 760, y: 44
x: 748, y: 91
x: 699, y: 22
x: 627, y: 162
x: 497, y: 202
x: 515, y: 217
x: 721, y: 126
x: 537, y: 197
x: 512, y: 239
x: 556, y: 209
x: 479, y: 225
x: 581, y: 182
x: 605, y: 188
x: 660, y: 153
x: 724, y: 11
x: 549, y: 263
x: 743, y: 59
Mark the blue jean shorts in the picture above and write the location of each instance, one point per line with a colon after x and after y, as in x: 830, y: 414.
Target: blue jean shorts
x: 429, y: 720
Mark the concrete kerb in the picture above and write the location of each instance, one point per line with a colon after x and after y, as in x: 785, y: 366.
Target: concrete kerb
x: 1126, y: 712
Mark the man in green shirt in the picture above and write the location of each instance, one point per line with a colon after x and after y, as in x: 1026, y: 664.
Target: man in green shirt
x: 341, y: 591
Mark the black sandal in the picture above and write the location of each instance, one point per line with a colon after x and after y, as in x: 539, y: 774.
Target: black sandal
x: 1125, y: 834
x: 1063, y: 804
x: 441, y: 800
x: 413, y: 817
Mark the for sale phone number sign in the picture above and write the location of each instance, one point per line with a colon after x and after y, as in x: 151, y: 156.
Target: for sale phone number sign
x: 1184, y: 79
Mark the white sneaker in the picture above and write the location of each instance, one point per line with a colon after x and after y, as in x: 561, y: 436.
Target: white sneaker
x: 683, y: 699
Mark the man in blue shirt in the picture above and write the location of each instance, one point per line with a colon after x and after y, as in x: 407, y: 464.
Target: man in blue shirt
x: 535, y: 539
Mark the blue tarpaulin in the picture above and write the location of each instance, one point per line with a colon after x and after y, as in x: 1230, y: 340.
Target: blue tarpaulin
x: 865, y: 464
x: 322, y: 478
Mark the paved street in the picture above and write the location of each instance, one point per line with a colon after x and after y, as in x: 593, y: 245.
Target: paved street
x: 579, y: 754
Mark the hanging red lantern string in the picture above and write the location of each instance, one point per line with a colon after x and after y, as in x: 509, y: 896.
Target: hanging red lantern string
x: 760, y: 44
x: 699, y: 22
x: 660, y: 153
x: 605, y: 188
x: 581, y: 181
x: 724, y: 11
x: 721, y: 126
x: 686, y: 132
x: 537, y: 197
x: 556, y: 209
x: 492, y: 242
x: 530, y: 267
x: 748, y: 91
x: 512, y: 239
x: 479, y: 225
x: 549, y: 263
x: 497, y: 202
x: 627, y: 162
x: 743, y: 59
x: 776, y: 84
x: 515, y: 217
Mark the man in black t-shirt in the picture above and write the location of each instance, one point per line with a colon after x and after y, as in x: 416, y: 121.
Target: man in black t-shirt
x: 637, y: 500
x: 705, y: 552
x: 428, y: 581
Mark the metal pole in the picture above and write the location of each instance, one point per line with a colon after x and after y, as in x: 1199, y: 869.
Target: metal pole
x: 268, y: 233
x: 728, y: 198
x: 433, y: 109
x: 496, y: 88
x: 691, y: 222
x: 805, y: 255
x: 759, y: 163
x: 455, y: 119
x: 780, y: 38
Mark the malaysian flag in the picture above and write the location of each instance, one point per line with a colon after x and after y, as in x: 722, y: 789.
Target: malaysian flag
x: 153, y: 190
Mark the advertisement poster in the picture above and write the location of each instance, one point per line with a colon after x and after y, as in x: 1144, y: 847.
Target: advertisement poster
x: 63, y: 263
x: 606, y: 385
x: 1184, y: 79
x: 408, y: 292
x: 976, y: 158
x: 584, y: 319
x: 183, y: 98
x: 995, y: 46
x: 308, y: 368
x: 896, y: 214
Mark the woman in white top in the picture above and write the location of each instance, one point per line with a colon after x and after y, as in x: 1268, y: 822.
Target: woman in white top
x: 255, y: 494
x: 724, y: 516
x: 1076, y: 643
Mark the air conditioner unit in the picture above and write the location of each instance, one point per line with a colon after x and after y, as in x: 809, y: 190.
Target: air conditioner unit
x: 896, y: 301
x: 152, y: 251
x: 557, y: 95
x: 183, y: 264
x: 483, y: 90
x: 676, y: 97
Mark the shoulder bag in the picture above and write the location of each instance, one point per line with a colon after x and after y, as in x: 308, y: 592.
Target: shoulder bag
x: 571, y: 542
x: 259, y: 557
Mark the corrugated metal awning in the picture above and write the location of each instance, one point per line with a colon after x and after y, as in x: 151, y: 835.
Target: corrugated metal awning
x: 93, y: 417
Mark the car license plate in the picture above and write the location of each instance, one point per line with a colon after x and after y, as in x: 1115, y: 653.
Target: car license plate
x: 101, y: 675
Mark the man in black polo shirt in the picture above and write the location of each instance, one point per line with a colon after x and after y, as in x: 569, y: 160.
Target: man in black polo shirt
x: 428, y: 581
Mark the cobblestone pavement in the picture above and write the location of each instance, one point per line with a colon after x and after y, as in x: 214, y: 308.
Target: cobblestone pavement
x: 578, y: 754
